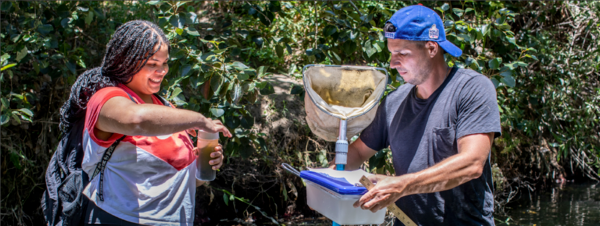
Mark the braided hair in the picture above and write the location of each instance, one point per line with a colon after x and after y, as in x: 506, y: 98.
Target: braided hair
x: 127, y: 52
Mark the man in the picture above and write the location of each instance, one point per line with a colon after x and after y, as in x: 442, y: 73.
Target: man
x: 439, y: 126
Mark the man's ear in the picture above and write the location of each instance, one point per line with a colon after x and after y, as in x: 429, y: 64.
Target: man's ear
x: 432, y: 48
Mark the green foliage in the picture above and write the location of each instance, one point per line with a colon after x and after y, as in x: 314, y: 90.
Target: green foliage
x: 542, y: 57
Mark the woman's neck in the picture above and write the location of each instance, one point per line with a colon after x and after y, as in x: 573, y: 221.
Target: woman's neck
x: 145, y: 97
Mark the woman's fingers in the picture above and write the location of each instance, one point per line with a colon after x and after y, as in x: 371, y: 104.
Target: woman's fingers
x: 218, y: 122
x: 224, y: 130
x: 221, y: 128
x: 218, y: 157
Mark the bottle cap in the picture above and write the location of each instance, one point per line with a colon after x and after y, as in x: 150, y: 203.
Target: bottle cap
x: 207, y: 136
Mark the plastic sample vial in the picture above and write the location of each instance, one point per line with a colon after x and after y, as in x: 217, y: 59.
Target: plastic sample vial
x: 207, y: 143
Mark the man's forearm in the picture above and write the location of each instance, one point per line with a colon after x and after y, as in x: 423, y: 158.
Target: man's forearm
x: 451, y: 172
x: 445, y: 175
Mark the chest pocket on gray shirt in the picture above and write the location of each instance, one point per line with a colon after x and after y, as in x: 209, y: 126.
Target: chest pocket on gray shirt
x: 444, y: 143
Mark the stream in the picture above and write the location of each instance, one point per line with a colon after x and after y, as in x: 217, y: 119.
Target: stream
x: 567, y: 205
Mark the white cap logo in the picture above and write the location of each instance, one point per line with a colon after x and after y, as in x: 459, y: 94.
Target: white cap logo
x: 434, y: 33
x: 391, y: 35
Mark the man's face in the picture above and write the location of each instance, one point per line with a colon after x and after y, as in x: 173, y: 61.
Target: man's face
x: 410, y: 59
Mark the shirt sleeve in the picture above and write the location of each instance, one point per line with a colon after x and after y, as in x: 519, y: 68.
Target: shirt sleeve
x: 478, y: 108
x: 93, y: 111
x: 375, y: 136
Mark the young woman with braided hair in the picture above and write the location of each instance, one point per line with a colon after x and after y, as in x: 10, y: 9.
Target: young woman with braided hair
x: 150, y: 178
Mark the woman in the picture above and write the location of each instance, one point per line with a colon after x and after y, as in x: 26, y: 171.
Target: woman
x: 150, y: 178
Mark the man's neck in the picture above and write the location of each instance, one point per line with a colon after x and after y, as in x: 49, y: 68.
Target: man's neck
x: 435, y: 80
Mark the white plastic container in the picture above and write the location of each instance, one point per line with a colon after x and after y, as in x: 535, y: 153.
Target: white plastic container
x: 339, y: 207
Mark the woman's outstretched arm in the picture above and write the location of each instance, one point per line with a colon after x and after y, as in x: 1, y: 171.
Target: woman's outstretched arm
x: 121, y: 115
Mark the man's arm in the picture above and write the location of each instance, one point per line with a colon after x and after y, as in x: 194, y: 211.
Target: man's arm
x: 473, y: 151
x: 358, y: 153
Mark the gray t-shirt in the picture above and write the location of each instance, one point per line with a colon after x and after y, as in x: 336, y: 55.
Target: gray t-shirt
x: 422, y: 133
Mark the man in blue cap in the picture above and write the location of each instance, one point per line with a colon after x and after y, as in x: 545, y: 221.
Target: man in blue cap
x: 439, y: 126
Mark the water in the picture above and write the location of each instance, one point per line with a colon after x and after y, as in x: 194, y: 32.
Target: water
x: 567, y: 205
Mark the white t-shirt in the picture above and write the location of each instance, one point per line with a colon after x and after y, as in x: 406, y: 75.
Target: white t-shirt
x: 148, y: 180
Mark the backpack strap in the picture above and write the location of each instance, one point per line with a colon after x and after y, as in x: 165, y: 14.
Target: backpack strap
x: 163, y: 100
x: 102, y: 164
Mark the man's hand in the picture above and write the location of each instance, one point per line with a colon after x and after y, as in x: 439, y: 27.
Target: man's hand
x: 386, y: 191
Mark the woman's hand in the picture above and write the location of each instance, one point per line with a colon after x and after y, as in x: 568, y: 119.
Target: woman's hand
x: 216, y: 126
x: 219, y: 127
x: 217, y: 156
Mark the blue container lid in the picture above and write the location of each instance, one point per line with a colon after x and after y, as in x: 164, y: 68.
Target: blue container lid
x: 337, y: 184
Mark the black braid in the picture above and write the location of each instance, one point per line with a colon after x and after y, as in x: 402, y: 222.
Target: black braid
x: 127, y: 52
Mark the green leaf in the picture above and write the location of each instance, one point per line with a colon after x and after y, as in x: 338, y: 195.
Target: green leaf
x: 14, y: 159
x: 243, y: 76
x: 506, y: 73
x: 369, y: 50
x: 217, y: 112
x: 509, y: 81
x: 4, y: 57
x: 521, y: 64
x: 185, y: 70
x: 21, y: 54
x: 349, y: 47
x: 8, y: 66
x: 246, y: 148
x: 495, y: 82
x: 6, y: 5
x: 329, y: 30
x: 297, y: 89
x: 5, y: 104
x: 239, y: 66
x: 457, y: 11
x: 495, y: 63
x: 71, y: 66
x: 445, y: 7
x: 279, y: 50
x: 215, y: 82
x: 89, y: 18
x: 261, y: 71
x: 177, y: 21
x: 226, y: 199
x: 45, y: 28
x: 258, y: 40
x: 81, y: 63
x: 262, y: 143
x: 4, y: 118
x: 26, y: 112
x: 247, y: 121
x: 179, y: 31
x: 65, y: 22
x: 175, y: 92
x: 192, y: 31
x: 232, y: 122
x: 268, y: 88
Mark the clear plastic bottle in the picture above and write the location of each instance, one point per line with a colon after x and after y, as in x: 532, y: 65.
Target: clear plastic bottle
x: 207, y: 143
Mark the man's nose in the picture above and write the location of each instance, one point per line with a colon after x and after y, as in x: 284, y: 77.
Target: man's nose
x: 394, y: 62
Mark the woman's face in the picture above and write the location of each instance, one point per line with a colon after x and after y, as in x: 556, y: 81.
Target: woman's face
x: 147, y: 81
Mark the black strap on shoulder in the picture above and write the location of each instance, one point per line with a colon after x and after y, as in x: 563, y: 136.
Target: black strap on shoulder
x: 102, y: 164
x: 163, y: 100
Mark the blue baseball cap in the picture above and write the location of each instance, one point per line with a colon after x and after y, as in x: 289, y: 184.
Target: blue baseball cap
x: 419, y: 23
